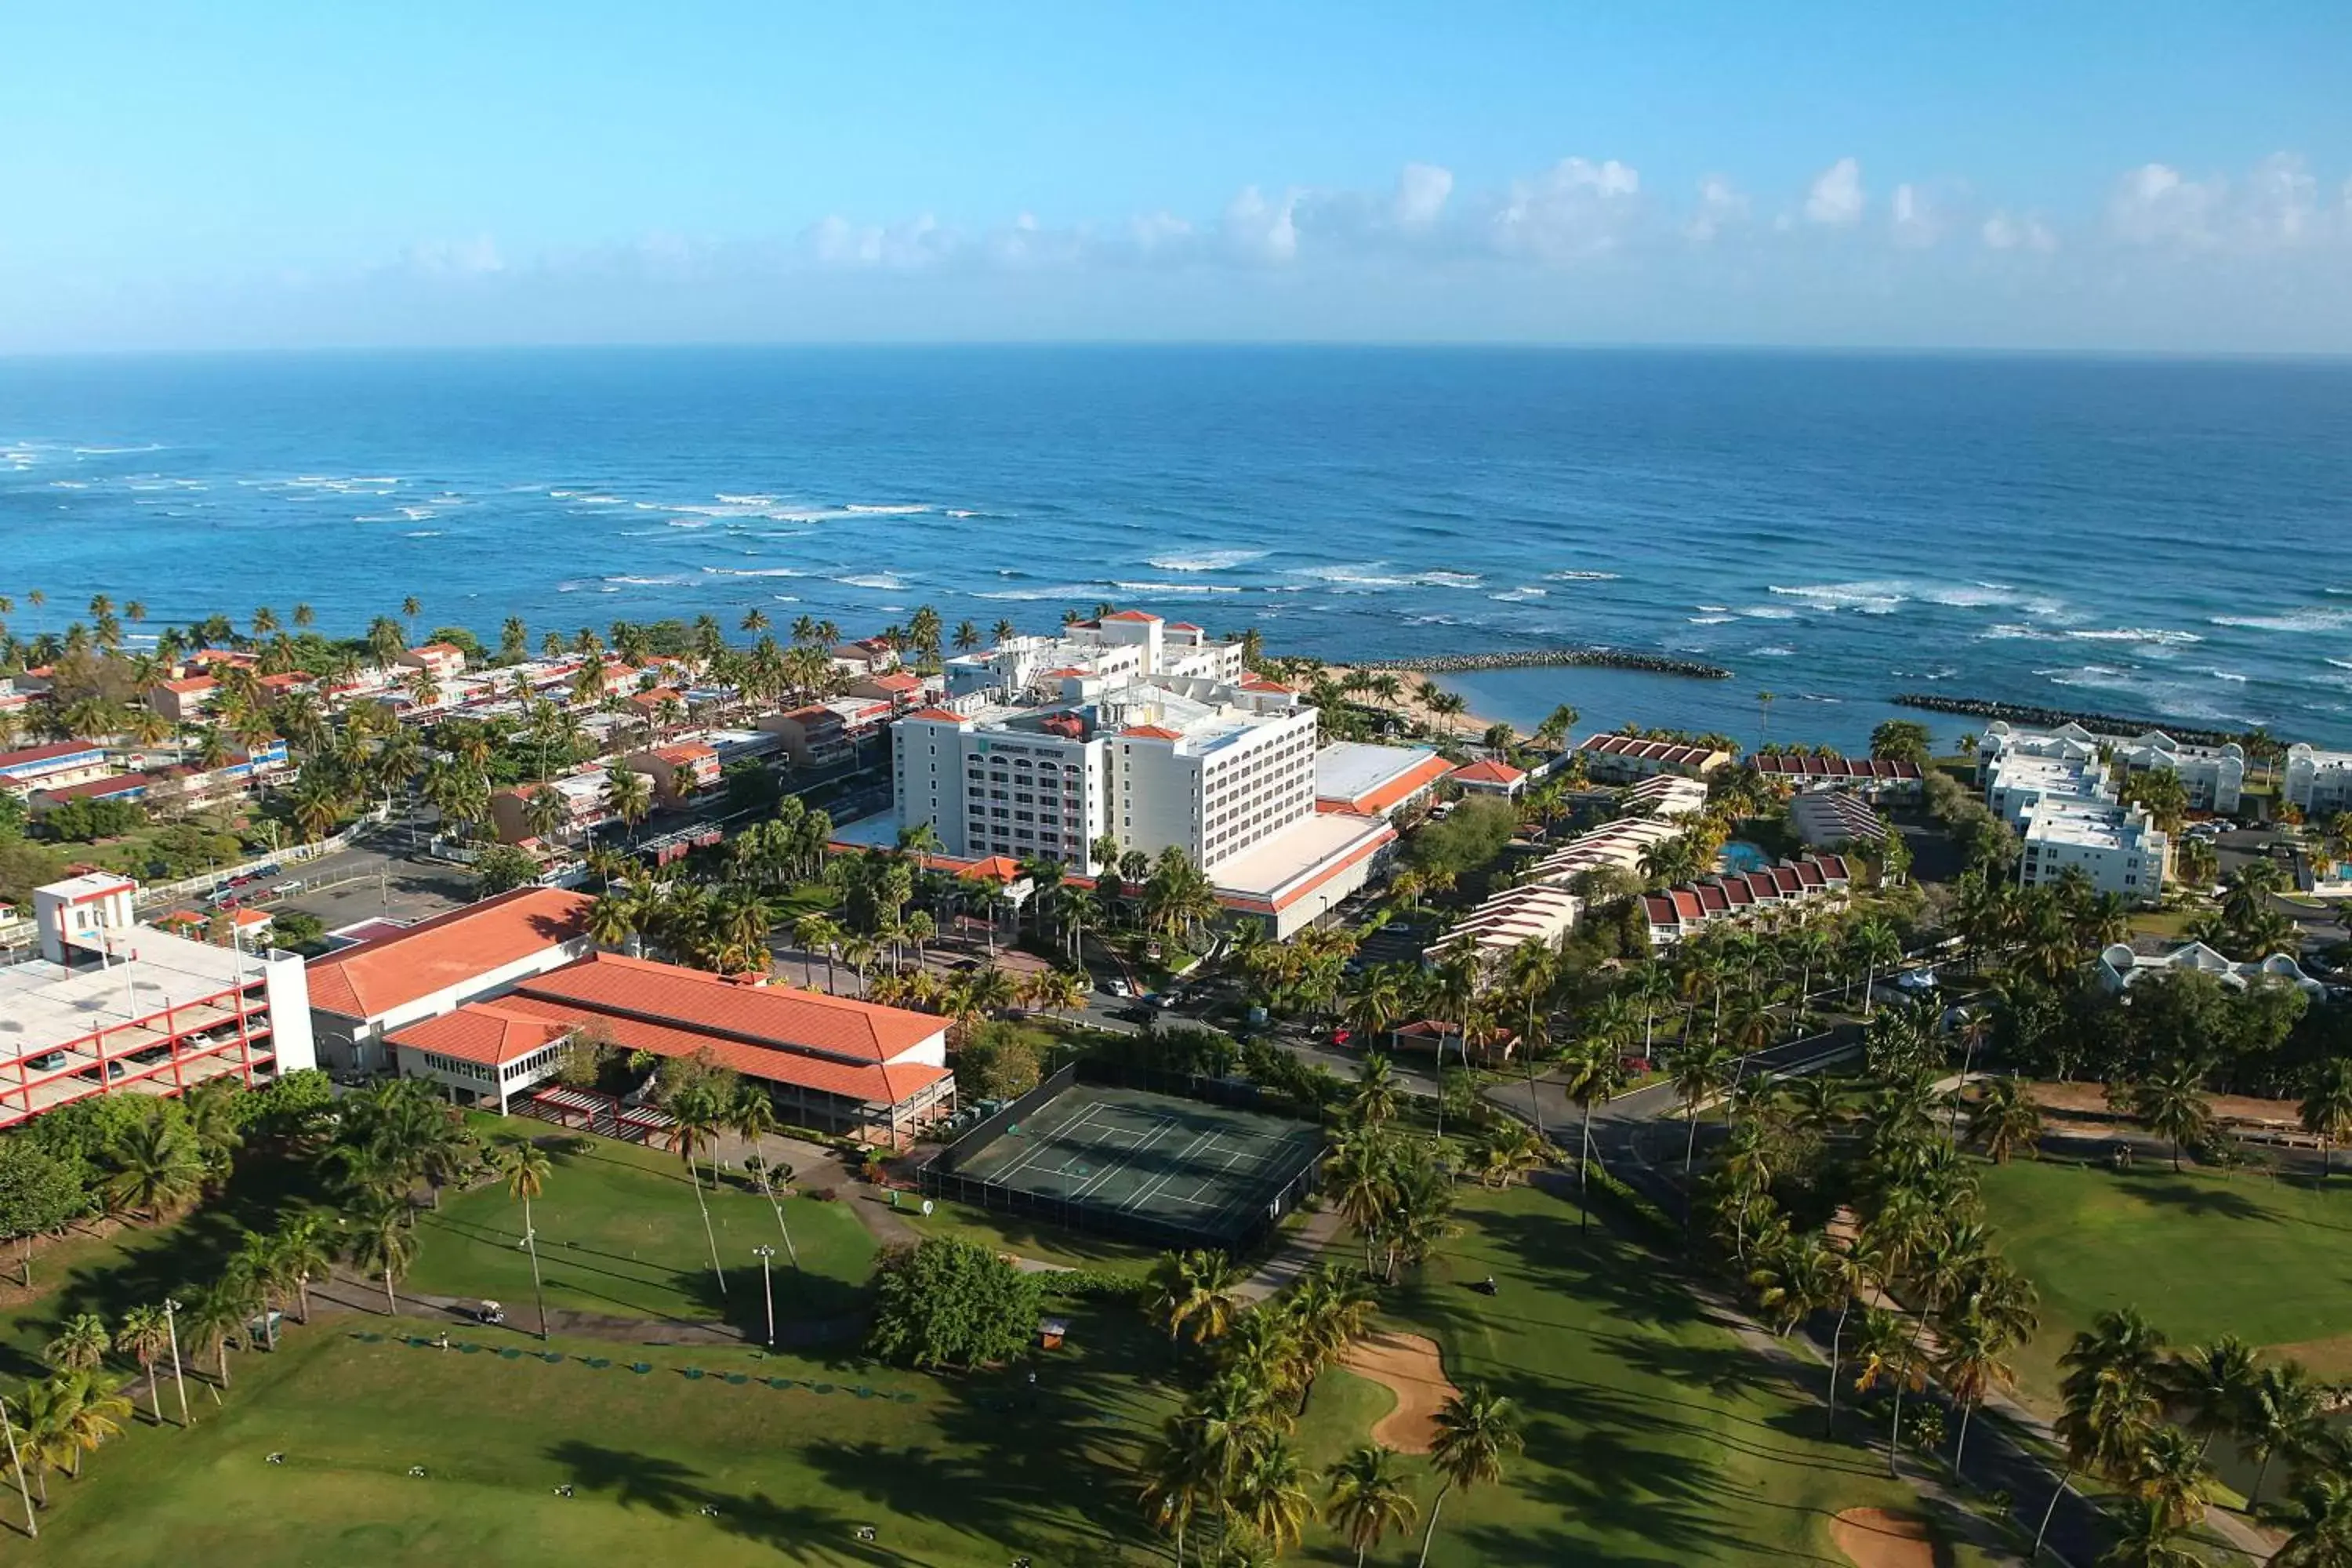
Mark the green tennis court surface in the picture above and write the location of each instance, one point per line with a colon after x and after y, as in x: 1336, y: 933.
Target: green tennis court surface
x: 1125, y: 1151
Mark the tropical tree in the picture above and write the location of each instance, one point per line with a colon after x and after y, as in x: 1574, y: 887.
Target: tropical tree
x: 2172, y: 1102
x: 80, y: 1346
x: 157, y: 1167
x: 2005, y: 1119
x: 2317, y: 1517
x: 2327, y: 1108
x: 2147, y: 1536
x: 78, y: 1415
x: 2287, y: 1414
x: 1595, y: 1070
x: 1183, y: 1476
x: 144, y: 1336
x: 1267, y: 1496
x: 524, y: 1167
x: 382, y: 1243
x: 696, y: 1114
x: 1476, y: 1430
x: 1365, y: 1498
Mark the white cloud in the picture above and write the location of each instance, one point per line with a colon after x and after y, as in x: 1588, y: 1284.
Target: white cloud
x: 2002, y: 231
x: 1915, y: 222
x: 1573, y: 209
x: 1720, y: 207
x: 1836, y: 195
x: 1420, y: 192
x: 472, y: 257
x: 1261, y: 231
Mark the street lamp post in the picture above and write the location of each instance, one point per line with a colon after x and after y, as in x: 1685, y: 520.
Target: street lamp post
x: 767, y: 1289
x: 15, y: 1463
x: 530, y: 1243
x: 179, y: 1384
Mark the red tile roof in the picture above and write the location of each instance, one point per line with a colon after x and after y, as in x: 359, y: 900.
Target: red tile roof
x: 1130, y: 615
x: 45, y: 754
x: 189, y: 687
x: 687, y: 751
x: 1486, y: 769
x: 1260, y: 683
x: 1402, y: 786
x: 1150, y: 732
x: 1660, y: 909
x: 484, y: 1032
x: 100, y: 789
x: 937, y: 716
x: 1182, y: 627
x: 654, y: 696
x: 895, y: 680
x: 439, y: 648
x: 445, y: 952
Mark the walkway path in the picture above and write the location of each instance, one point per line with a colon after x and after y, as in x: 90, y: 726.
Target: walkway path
x: 1299, y: 1251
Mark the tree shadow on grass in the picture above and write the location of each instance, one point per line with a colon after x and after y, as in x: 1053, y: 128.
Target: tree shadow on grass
x: 802, y: 1533
x: 2199, y: 1200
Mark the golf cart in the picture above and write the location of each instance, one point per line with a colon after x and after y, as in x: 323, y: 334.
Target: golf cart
x: 483, y: 1311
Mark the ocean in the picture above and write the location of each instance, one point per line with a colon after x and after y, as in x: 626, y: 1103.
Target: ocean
x: 2156, y: 537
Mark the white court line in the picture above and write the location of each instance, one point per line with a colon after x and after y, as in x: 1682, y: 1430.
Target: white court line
x: 1040, y: 1146
x: 1126, y: 1161
x: 1150, y: 1190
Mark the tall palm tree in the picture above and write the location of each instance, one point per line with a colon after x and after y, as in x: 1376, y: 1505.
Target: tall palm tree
x: 524, y: 1166
x: 750, y: 1115
x: 1365, y: 1498
x: 300, y: 1254
x: 694, y: 1128
x: 2287, y: 1414
x: 84, y: 1415
x: 1595, y: 1072
x: 2171, y: 1101
x: 1884, y: 1348
x: 2147, y: 1536
x: 157, y: 1167
x: 2318, y: 1521
x: 1476, y: 1429
x: 145, y: 1338
x: 1183, y: 1475
x: 2327, y: 1108
x: 382, y: 1243
x: 80, y: 1346
x: 2005, y: 1119
x: 2213, y: 1387
x: 211, y: 1318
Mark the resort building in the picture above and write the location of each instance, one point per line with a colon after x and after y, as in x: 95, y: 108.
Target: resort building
x: 2213, y: 778
x: 679, y: 773
x: 112, y: 1007
x: 902, y: 688
x: 1873, y: 778
x: 2118, y: 848
x: 1792, y: 887
x: 445, y: 662
x: 1490, y: 776
x: 1831, y: 819
x: 1534, y: 911
x: 1616, y: 846
x: 2067, y: 742
x: 1664, y: 795
x: 185, y: 700
x: 2318, y: 784
x: 52, y: 766
x: 2125, y: 963
x: 1375, y: 781
x: 1124, y: 730
x: 848, y: 1066
x: 362, y: 993
x: 128, y: 789
x: 1617, y: 759
x: 867, y: 656
x: 817, y: 736
x: 584, y: 796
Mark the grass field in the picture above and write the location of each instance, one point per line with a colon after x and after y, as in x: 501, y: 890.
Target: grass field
x: 1654, y: 1436
x: 619, y: 1235
x: 1032, y: 1238
x: 972, y: 1471
x: 2200, y: 1253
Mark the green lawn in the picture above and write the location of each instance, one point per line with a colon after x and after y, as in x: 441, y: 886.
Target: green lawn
x: 619, y: 1235
x: 1654, y: 1436
x: 2200, y: 1253
x: 1030, y: 1238
x: 970, y: 1471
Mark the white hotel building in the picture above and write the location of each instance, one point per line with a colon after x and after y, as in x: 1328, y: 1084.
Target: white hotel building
x: 1139, y: 731
x: 2065, y: 812
x: 2318, y: 783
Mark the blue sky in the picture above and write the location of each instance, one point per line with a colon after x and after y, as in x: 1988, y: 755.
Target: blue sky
x: 2154, y: 176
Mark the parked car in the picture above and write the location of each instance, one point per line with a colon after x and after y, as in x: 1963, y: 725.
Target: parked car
x: 287, y: 890
x: 114, y: 1070
x: 48, y: 1061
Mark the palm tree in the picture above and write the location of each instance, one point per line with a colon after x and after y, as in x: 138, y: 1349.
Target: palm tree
x: 2318, y: 1520
x: 2005, y: 1119
x: 1209, y: 1304
x: 1968, y: 1351
x: 211, y: 1319
x: 524, y: 1166
x: 1595, y: 1072
x: 1700, y: 1073
x: 2327, y: 1108
x: 2287, y: 1414
x: 1183, y: 1475
x: 145, y: 1338
x: 1883, y: 1345
x: 2171, y: 1101
x: 1267, y: 1495
x: 1475, y: 1429
x: 1365, y: 1498
x: 80, y: 1346
x: 83, y: 1414
x: 750, y: 1115
x: 2213, y: 1387
x: 382, y: 1243
x: 2147, y: 1536
x: 300, y: 1254
x: 693, y: 1129
x: 156, y: 1165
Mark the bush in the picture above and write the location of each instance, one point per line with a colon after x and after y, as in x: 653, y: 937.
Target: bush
x: 951, y: 1303
x: 85, y: 821
x: 1002, y: 1060
x: 1094, y: 1285
x: 1606, y: 1185
x: 1472, y: 835
x: 284, y: 1109
x: 503, y: 867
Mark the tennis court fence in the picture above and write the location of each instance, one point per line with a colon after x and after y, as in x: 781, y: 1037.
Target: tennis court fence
x: 943, y: 1177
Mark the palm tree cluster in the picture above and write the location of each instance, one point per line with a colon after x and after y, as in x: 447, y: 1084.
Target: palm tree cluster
x: 1225, y: 1464
x: 1396, y: 1191
x: 2143, y: 1418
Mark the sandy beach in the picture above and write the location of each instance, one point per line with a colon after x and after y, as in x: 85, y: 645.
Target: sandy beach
x: 1468, y: 725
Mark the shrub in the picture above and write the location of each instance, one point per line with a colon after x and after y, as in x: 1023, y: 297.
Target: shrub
x: 951, y: 1303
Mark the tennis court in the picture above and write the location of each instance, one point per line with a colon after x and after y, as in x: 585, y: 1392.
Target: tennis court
x: 1150, y: 1164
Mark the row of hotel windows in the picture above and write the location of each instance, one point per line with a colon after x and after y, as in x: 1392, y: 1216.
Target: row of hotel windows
x: 522, y: 1066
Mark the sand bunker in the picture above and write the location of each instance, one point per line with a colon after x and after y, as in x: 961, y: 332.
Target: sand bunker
x: 1874, y: 1538
x: 1408, y: 1366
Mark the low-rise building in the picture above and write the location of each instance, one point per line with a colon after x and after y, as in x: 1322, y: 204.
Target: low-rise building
x: 362, y: 993
x: 816, y: 736
x: 444, y: 662
x: 848, y: 1066
x: 2118, y: 848
x: 584, y: 798
x: 126, y: 788
x: 1375, y: 781
x: 2212, y: 778
x: 1490, y: 776
x: 112, y: 1007
x: 1615, y: 758
x: 1873, y: 778
x: 185, y: 701
x: 2123, y: 963
x: 1664, y: 795
x: 1792, y: 887
x: 1534, y: 911
x: 53, y: 766
x: 2317, y: 782
x: 1831, y: 819
x: 679, y: 773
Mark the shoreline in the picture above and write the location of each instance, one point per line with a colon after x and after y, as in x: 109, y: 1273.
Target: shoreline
x: 1548, y: 659
x: 2044, y: 718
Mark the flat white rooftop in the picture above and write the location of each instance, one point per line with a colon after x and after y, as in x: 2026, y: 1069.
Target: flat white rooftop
x: 1276, y: 867
x: 43, y: 1005
x: 1347, y: 770
x: 2082, y: 823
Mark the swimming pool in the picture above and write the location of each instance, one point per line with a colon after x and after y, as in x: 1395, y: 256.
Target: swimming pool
x: 1741, y: 856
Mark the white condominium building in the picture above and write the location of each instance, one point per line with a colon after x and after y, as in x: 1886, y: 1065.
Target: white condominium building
x: 2069, y: 742
x: 2117, y: 848
x: 1047, y: 745
x: 2318, y: 783
x: 2212, y: 777
x: 2017, y: 782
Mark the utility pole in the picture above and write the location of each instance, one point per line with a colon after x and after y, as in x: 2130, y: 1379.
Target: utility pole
x: 32, y: 1524
x: 180, y: 1384
x: 767, y: 1289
